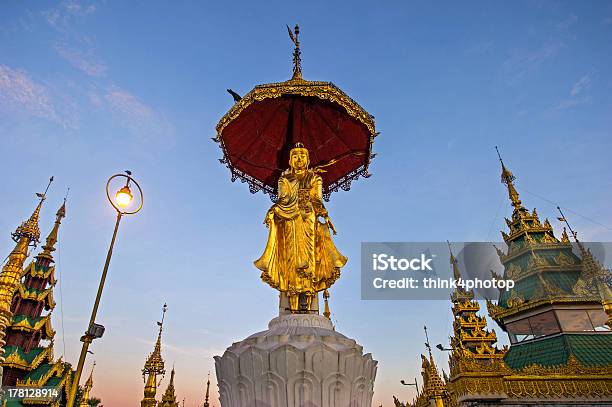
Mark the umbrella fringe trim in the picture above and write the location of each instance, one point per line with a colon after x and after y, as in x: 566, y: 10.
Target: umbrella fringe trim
x: 256, y: 185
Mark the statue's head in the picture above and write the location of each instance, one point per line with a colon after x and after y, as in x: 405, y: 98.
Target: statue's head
x: 299, y: 158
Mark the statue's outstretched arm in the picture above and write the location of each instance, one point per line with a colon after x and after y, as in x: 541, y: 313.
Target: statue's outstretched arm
x: 318, y: 203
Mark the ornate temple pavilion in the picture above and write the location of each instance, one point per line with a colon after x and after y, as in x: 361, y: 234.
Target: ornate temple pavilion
x: 558, y: 318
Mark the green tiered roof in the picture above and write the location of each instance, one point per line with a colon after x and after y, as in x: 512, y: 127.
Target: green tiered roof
x: 12, y: 351
x: 531, y: 287
x: 589, y: 350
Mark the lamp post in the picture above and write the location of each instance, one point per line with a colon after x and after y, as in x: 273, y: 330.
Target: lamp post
x: 415, y: 384
x: 120, y: 202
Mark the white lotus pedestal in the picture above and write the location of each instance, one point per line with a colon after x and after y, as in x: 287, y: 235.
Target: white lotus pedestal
x: 300, y: 361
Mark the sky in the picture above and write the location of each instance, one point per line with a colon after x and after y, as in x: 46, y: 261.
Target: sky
x: 89, y: 89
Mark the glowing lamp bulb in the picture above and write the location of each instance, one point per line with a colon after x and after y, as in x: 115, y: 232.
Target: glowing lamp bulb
x: 124, y: 196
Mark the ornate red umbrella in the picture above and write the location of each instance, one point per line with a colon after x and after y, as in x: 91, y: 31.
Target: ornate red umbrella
x: 257, y: 133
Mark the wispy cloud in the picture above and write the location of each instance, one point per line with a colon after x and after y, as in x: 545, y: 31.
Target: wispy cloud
x: 577, y: 94
x: 79, y: 8
x: 581, y: 85
x: 570, y: 102
x: 522, y: 63
x: 63, y: 16
x: 134, y: 115
x: 20, y: 93
x: 84, y: 61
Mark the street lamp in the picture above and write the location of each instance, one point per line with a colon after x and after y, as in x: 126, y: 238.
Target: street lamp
x: 411, y: 384
x: 443, y: 349
x: 121, y: 202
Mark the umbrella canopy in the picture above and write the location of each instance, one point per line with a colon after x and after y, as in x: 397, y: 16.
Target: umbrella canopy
x: 260, y: 129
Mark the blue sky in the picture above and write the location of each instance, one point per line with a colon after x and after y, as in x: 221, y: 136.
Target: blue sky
x: 88, y: 89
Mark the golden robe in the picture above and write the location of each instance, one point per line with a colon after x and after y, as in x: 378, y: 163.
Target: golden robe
x: 300, y: 256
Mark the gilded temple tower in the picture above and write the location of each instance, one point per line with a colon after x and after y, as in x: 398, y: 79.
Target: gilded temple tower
x: 556, y: 318
x: 87, y: 389
x: 169, y: 397
x: 29, y: 362
x: 34, y: 294
x: 559, y: 351
x: 25, y: 236
x: 555, y: 303
x: 434, y: 392
x: 471, y: 338
x: 154, y: 366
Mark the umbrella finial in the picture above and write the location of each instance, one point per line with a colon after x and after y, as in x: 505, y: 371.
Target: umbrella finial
x: 297, y: 61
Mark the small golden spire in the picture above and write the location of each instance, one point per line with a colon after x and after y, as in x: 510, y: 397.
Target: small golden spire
x: 87, y: 388
x: 297, y: 60
x: 154, y: 366
x: 508, y: 178
x: 427, y: 341
x: 30, y: 227
x: 433, y: 386
x: 155, y: 362
x: 169, y: 397
x: 326, y: 312
x: 564, y: 236
x: 49, y: 246
x: 453, y: 262
x: 206, y: 404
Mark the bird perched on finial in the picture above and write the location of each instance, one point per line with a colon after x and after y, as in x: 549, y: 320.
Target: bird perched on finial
x: 236, y: 96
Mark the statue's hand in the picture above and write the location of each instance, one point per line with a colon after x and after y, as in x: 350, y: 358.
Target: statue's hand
x: 269, y: 218
x: 330, y: 225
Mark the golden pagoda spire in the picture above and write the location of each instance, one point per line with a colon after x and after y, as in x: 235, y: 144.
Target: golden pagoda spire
x: 27, y: 234
x: 460, y: 297
x: 169, y: 397
x: 51, y: 240
x: 433, y: 386
x: 87, y: 388
x: 508, y: 178
x: 206, y: 404
x: 154, y: 366
x: 297, y: 60
x: 453, y: 262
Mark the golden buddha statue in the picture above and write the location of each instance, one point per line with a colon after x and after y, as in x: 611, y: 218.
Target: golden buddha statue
x: 300, y: 258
